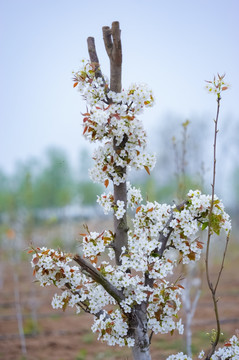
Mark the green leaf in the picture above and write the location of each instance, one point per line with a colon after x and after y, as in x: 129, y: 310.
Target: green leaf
x: 153, y: 254
x: 215, y: 223
x: 205, y: 225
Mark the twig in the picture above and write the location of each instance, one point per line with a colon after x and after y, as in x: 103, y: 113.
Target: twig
x: 210, y: 285
x: 222, y: 264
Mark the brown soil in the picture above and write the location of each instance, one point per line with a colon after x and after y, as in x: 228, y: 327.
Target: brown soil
x: 64, y: 336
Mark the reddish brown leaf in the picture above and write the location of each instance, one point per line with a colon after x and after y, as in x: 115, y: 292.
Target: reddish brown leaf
x: 35, y: 260
x: 58, y: 276
x: 75, y: 84
x: 147, y: 169
x: 117, y: 116
x: 93, y: 260
x: 199, y: 245
x: 106, y: 183
x: 85, y: 129
x: 158, y: 314
x: 180, y: 286
x: 138, y: 209
x: 99, y: 236
x: 192, y: 256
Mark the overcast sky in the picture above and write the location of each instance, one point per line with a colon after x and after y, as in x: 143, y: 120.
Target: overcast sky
x: 173, y: 46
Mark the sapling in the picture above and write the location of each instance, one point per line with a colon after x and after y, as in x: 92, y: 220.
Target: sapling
x: 127, y: 291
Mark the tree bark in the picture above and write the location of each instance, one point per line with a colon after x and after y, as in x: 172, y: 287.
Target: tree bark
x: 94, y: 57
x: 113, y: 48
x: 139, y: 331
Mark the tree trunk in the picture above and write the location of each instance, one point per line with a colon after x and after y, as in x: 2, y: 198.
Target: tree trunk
x: 139, y: 331
x: 138, y: 318
x: 113, y: 48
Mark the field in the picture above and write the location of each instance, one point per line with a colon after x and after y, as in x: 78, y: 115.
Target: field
x: 55, y: 335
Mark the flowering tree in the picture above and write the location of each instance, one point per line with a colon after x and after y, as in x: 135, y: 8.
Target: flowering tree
x: 127, y: 291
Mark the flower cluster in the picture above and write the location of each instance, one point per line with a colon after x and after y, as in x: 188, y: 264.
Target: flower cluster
x: 113, y: 329
x: 229, y: 351
x: 164, y: 304
x: 112, y: 120
x: 217, y: 85
x: 155, y: 222
x: 108, y: 204
x: 94, y: 244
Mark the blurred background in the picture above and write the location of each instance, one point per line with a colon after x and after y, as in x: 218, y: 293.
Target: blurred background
x: 45, y: 192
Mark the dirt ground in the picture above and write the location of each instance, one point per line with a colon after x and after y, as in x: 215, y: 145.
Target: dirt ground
x: 54, y: 335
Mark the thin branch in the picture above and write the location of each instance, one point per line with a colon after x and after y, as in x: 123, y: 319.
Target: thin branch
x: 164, y: 239
x: 222, y: 264
x: 99, y: 278
x: 210, y: 285
x: 150, y: 337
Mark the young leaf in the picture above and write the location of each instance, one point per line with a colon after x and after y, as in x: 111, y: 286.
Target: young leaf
x: 35, y: 260
x: 204, y: 225
x: 147, y: 169
x: 85, y: 129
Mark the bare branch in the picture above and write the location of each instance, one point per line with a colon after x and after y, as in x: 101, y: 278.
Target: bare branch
x: 222, y: 264
x: 113, y: 48
x: 94, y: 57
x: 107, y: 39
x: 92, y: 50
x: 210, y: 285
